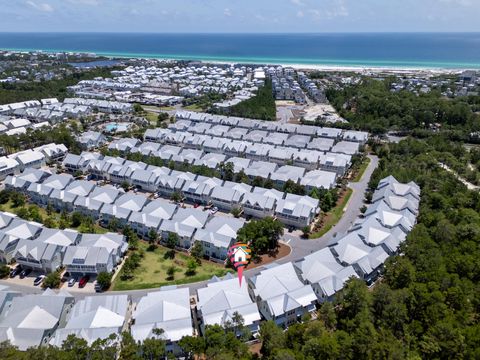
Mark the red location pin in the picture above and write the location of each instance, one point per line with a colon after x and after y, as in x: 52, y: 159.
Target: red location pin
x: 239, y: 255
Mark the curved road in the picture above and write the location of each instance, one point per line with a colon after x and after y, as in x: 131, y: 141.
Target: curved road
x: 300, y: 247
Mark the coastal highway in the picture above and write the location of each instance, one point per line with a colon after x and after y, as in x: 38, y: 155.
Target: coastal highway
x: 300, y: 247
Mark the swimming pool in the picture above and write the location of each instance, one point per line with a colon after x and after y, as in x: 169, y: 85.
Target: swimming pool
x: 117, y: 127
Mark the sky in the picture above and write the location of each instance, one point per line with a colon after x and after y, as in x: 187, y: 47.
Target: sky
x: 240, y: 16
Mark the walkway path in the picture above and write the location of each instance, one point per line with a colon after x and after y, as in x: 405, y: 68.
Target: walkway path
x: 300, y: 247
x: 469, y: 185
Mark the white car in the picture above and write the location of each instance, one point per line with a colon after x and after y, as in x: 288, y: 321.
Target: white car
x: 38, y: 280
x: 214, y: 210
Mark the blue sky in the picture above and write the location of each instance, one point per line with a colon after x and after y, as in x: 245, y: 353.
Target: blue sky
x: 239, y: 15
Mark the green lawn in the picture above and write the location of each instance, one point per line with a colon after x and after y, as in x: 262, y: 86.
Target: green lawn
x: 152, y: 272
x: 193, y: 107
x: 158, y: 108
x: 334, y: 216
x: 361, y: 170
x: 152, y: 118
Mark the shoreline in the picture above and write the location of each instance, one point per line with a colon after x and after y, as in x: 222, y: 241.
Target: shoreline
x: 308, y: 64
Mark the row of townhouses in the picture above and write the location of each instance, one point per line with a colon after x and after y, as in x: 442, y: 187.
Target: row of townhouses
x: 317, y: 154
x: 332, y: 166
x: 110, y: 205
x: 42, y: 249
x: 34, y: 158
x: 292, y: 210
x: 294, y: 129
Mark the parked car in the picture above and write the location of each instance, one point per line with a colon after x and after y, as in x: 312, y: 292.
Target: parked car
x: 15, y: 271
x: 38, y: 280
x: 25, y: 273
x: 214, y: 210
x: 65, y: 277
x: 72, y: 282
x: 83, y: 281
x: 196, y: 205
x: 98, y: 287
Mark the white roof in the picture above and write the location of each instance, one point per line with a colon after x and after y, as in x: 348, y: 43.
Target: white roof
x: 221, y: 299
x: 168, y: 310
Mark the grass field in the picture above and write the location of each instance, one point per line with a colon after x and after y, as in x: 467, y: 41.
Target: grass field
x: 361, y: 170
x: 334, y: 216
x: 158, y: 108
x: 152, y: 272
x: 193, y: 107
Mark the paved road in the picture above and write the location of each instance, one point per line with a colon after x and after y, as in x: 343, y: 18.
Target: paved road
x: 300, y: 247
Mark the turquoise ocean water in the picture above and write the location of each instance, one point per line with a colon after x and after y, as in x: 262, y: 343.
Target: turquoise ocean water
x: 409, y: 50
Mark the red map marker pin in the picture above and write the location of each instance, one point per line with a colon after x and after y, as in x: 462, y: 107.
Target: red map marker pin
x: 239, y: 255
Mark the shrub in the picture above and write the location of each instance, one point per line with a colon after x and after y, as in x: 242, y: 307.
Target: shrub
x: 52, y: 281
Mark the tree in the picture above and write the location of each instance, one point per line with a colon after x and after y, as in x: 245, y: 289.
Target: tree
x: 4, y: 271
x: 227, y: 171
x: 113, y: 224
x: 197, y: 251
x: 163, y: 116
x: 75, y: 348
x: 263, y: 234
x: 294, y: 188
x: 154, y: 347
x: 125, y: 185
x: 193, y: 346
x: 306, y: 232
x: 104, y: 279
x: 257, y: 181
x: 176, y: 197
x: 76, y: 219
x: 241, y: 177
x: 129, y: 349
x: 18, y: 199
x: 152, y: 238
x: 4, y: 196
x: 272, y: 338
x: 236, y: 212
x: 52, y: 280
x: 191, y: 267
x: 23, y: 213
x: 137, y: 108
x: 49, y: 222
x: 171, y: 272
x: 172, y: 240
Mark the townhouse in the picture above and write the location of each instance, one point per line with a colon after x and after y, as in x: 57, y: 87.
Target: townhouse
x: 324, y: 273
x: 94, y: 318
x: 218, y: 235
x: 31, y: 320
x: 222, y: 300
x: 280, y: 295
x: 167, y: 309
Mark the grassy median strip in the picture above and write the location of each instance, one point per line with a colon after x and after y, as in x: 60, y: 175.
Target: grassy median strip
x: 361, y: 170
x: 154, y: 266
x: 333, y: 216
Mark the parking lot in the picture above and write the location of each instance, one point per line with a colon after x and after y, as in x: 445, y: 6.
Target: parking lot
x: 30, y: 278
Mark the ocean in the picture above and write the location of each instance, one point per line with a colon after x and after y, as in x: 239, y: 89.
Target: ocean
x: 391, y: 50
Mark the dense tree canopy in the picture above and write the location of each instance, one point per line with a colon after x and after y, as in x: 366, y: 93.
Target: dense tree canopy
x: 371, y: 105
x: 261, y: 106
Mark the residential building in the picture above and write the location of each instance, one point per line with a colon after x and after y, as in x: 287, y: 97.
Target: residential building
x: 280, y: 295
x: 221, y: 299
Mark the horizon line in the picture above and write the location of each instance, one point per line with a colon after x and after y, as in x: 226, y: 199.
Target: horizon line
x: 240, y: 33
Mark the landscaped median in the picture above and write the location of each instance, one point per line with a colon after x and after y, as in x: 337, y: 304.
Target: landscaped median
x: 361, y: 170
x: 155, y: 266
x: 331, y: 218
